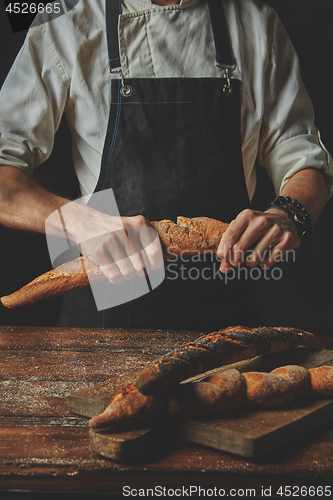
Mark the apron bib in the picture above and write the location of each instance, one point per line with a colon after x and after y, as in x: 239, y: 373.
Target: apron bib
x: 173, y: 147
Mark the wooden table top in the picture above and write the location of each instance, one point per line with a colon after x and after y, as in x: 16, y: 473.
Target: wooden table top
x: 46, y: 448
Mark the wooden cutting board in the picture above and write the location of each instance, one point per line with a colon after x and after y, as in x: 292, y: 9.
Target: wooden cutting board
x: 251, y: 433
x: 246, y: 433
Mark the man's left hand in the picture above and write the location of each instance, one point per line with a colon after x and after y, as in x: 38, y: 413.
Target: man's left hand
x: 257, y: 238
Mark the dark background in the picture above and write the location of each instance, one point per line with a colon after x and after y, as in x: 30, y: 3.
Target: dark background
x: 303, y: 298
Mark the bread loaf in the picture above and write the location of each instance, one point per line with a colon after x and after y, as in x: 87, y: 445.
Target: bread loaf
x: 129, y: 406
x: 65, y: 278
x: 225, y: 390
x: 299, y: 376
x: 322, y: 381
x: 212, y: 395
x: 217, y: 349
x: 188, y: 236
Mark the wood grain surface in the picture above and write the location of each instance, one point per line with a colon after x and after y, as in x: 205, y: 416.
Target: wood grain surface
x: 45, y: 447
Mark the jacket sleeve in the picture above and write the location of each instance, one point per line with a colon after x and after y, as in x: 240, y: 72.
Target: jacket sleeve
x: 32, y: 100
x: 289, y: 140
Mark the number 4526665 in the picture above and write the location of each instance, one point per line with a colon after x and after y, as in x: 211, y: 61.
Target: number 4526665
x: 33, y: 8
x: 304, y: 491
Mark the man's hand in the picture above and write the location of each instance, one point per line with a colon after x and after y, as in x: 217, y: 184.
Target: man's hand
x: 121, y: 246
x: 257, y: 238
x: 269, y: 235
x: 130, y: 246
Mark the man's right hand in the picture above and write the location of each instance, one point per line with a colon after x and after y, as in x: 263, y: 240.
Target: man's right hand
x: 121, y: 246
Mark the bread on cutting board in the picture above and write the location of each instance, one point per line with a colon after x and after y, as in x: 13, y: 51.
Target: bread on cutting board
x: 223, y: 391
x: 216, y: 349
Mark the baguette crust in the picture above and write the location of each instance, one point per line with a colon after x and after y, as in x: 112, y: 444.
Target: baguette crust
x: 299, y: 376
x: 65, y: 278
x: 212, y: 395
x: 129, y: 406
x: 225, y: 390
x: 188, y: 236
x: 322, y: 381
x: 217, y: 349
x: 264, y: 390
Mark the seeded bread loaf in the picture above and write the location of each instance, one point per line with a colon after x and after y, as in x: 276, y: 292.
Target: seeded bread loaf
x: 188, y: 236
x: 217, y: 349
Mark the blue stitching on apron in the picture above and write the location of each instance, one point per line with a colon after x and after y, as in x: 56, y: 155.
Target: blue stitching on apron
x: 175, y: 102
x: 113, y: 137
x: 115, y: 132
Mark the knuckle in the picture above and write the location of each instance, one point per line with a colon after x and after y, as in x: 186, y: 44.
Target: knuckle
x: 230, y: 233
x: 111, y: 272
x: 140, y: 220
x: 136, y: 259
x: 153, y: 249
x: 253, y: 259
x: 276, y: 231
x: 238, y: 248
x: 125, y: 266
x: 263, y: 223
x: 289, y: 238
x: 99, y: 254
x: 153, y: 254
x: 106, y: 244
x: 246, y: 213
x: 238, y: 253
x: 128, y: 275
x: 137, y: 266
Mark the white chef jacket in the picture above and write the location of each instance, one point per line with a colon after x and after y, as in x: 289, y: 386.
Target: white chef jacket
x: 63, y: 68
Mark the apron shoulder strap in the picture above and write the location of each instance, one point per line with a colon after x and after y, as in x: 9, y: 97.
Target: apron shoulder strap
x: 112, y: 13
x: 224, y: 55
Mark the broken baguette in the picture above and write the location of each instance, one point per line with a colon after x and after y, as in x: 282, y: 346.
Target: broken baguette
x: 70, y: 276
x: 188, y: 236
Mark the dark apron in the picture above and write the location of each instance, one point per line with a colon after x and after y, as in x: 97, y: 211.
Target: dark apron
x: 173, y: 147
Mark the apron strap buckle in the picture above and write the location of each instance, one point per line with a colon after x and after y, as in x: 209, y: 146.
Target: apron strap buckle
x: 227, y: 88
x: 126, y: 90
